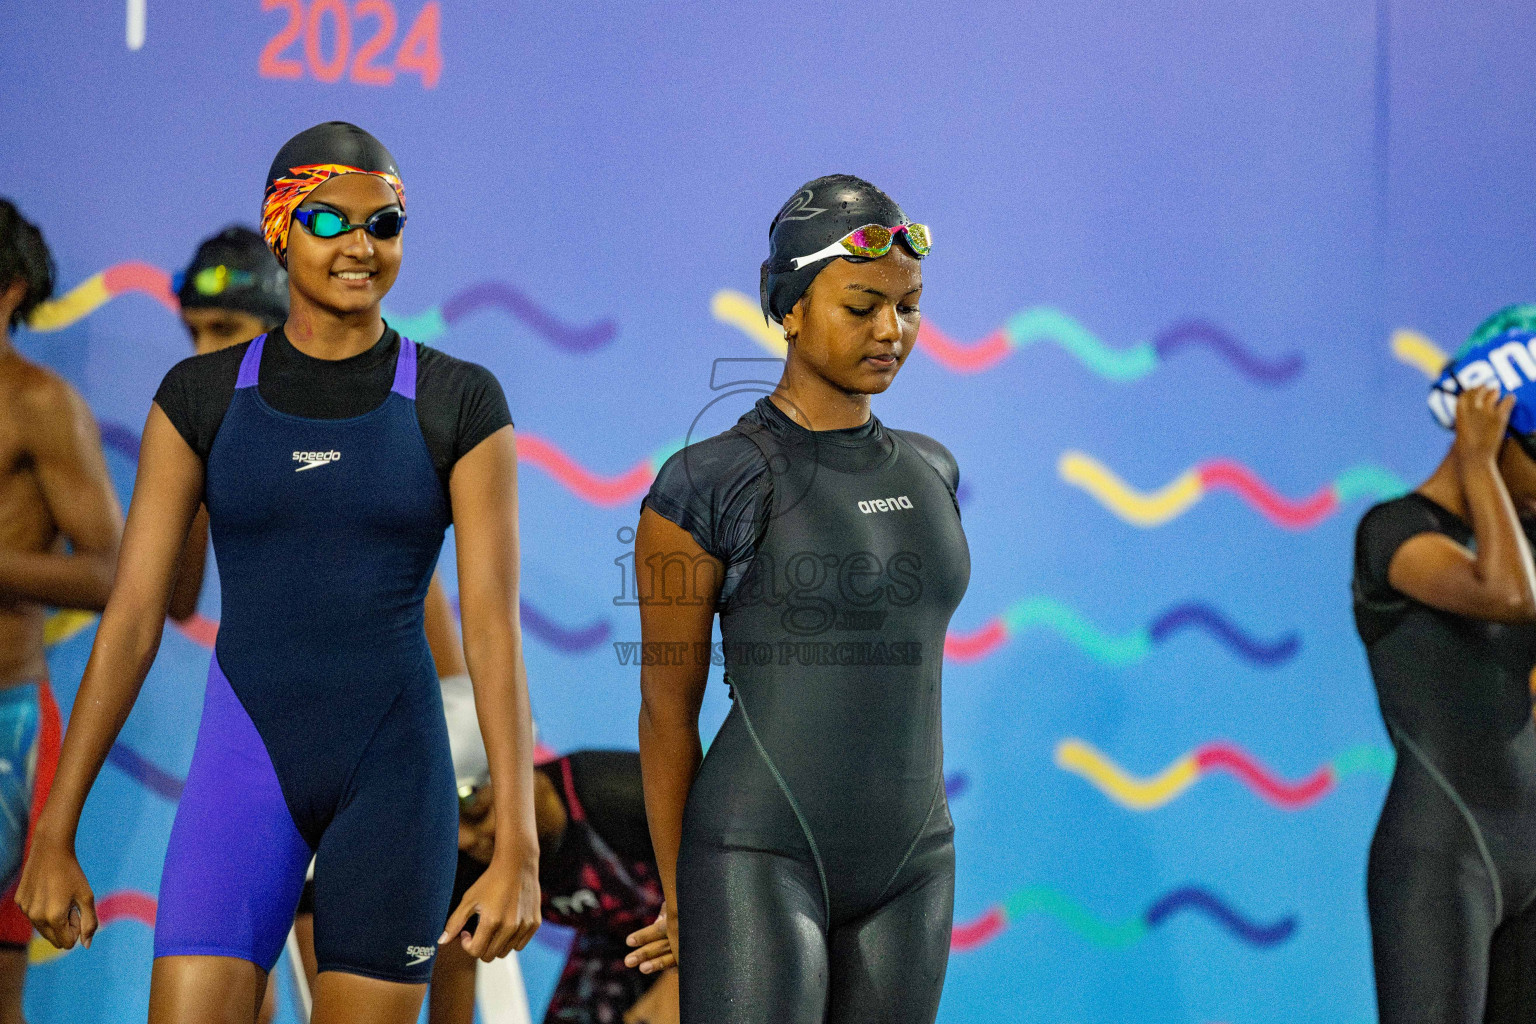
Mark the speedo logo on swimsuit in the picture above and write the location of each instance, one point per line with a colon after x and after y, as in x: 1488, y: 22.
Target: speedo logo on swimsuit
x: 314, y: 459
x: 421, y: 953
x: 885, y: 504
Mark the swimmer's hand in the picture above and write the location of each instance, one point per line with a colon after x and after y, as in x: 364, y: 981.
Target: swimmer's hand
x: 1481, y: 421
x: 55, y: 896
x: 658, y: 945
x: 506, y: 899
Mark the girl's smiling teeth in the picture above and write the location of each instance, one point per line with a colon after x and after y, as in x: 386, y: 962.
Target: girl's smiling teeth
x: 354, y: 275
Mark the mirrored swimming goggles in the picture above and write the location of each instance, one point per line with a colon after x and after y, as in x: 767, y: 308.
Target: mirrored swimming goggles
x: 325, y: 222
x: 871, y: 241
x: 212, y: 281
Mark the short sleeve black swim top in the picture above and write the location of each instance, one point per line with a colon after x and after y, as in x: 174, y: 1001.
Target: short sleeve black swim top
x: 720, y: 489
x: 458, y: 403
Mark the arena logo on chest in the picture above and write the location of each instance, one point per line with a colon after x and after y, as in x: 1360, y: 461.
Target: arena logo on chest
x: 885, y: 504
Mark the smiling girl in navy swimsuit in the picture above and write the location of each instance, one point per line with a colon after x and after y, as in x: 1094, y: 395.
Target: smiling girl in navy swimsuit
x: 332, y: 455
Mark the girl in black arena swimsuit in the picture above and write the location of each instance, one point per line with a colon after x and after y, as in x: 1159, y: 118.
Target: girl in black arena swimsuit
x: 807, y: 862
x: 1445, y: 601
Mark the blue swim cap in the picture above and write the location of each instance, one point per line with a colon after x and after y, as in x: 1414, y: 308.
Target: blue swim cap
x: 1501, y: 353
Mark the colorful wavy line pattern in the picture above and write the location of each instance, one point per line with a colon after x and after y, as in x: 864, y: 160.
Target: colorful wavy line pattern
x: 592, y: 487
x: 66, y: 623
x: 562, y: 638
x: 616, y: 489
x: 732, y: 307
x: 1042, y: 899
x: 1149, y: 793
x: 1117, y: 650
x: 95, y: 291
x: 1155, y: 508
x: 145, y: 772
x: 123, y: 905
x: 431, y: 324
x: 427, y: 326
x: 1041, y: 324
x: 1419, y: 352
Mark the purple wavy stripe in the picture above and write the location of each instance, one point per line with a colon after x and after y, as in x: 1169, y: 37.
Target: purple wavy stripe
x: 145, y: 772
x: 120, y: 438
x: 1193, y: 897
x: 1198, y: 332
x: 956, y: 783
x: 503, y: 296
x: 1203, y: 616
x: 571, y: 641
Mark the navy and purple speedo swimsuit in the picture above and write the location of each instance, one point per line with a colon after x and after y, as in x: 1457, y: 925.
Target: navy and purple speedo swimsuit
x: 322, y: 731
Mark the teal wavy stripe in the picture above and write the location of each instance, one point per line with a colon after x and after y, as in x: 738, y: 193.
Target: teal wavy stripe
x: 1364, y: 759
x: 1368, y: 482
x: 666, y: 451
x: 1042, y: 324
x: 1099, y: 645
x: 425, y: 327
x: 1040, y: 899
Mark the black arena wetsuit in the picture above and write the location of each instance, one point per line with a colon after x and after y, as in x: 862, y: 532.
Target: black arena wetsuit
x: 816, y: 874
x: 1452, y: 873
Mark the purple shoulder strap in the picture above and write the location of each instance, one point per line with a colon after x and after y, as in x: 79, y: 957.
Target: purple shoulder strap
x: 405, y: 370
x: 250, y: 366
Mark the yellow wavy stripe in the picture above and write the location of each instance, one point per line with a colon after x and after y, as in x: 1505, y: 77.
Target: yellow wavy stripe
x: 40, y: 950
x: 734, y: 308
x: 1419, y: 352
x: 62, y: 625
x: 1153, y: 509
x: 81, y: 300
x: 1126, y: 790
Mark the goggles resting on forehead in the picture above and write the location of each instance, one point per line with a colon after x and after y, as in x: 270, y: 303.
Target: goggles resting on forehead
x: 870, y: 241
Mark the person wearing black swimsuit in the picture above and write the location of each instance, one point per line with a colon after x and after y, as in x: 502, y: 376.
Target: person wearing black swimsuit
x: 808, y: 862
x: 1445, y: 601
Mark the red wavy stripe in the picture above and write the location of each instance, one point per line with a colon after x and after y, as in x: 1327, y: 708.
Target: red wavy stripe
x: 1294, y: 515
x: 586, y: 485
x: 959, y: 356
x: 134, y: 276
x: 129, y: 904
x: 970, y: 646
x: 200, y: 629
x: 975, y: 933
x: 1240, y: 763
